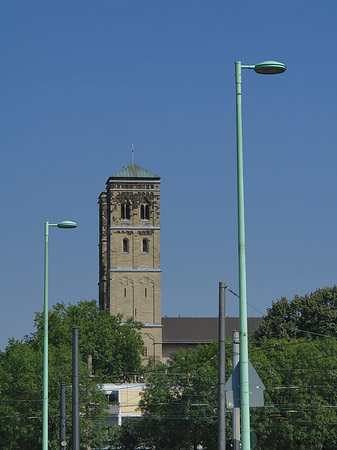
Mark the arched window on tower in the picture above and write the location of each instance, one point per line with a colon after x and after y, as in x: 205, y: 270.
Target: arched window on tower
x: 145, y: 212
x: 146, y: 246
x: 125, y: 245
x: 125, y: 211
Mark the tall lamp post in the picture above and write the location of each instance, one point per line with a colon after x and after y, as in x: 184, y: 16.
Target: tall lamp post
x: 268, y: 68
x: 65, y: 224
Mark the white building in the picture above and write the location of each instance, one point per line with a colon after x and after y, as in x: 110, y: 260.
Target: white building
x: 123, y: 400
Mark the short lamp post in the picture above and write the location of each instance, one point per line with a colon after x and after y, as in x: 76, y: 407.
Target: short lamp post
x: 268, y: 68
x: 65, y: 224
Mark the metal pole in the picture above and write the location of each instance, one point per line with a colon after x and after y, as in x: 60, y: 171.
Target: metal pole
x: 221, y: 368
x: 244, y: 377
x: 235, y: 411
x: 154, y: 356
x: 76, y: 412
x: 64, y: 224
x: 63, y: 417
x: 45, y: 343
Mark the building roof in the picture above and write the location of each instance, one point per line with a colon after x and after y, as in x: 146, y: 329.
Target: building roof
x: 200, y: 329
x: 133, y: 171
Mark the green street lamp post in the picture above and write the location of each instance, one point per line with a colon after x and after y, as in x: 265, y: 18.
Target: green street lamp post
x: 267, y: 68
x: 65, y: 224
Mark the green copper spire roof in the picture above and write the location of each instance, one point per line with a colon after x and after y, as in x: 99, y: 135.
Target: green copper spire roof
x: 134, y: 171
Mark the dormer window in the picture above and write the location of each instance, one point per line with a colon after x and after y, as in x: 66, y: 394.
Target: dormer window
x: 125, y: 211
x: 145, y: 212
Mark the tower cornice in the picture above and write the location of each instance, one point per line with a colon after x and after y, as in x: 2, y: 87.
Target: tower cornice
x: 129, y: 227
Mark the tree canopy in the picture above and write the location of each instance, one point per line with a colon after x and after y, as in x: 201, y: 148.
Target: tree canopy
x: 179, y: 405
x: 294, y: 352
x: 300, y: 409
x: 116, y: 349
x: 308, y: 316
x: 115, y: 344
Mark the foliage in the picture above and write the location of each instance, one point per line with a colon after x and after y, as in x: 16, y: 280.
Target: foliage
x: 300, y: 399
x: 300, y: 412
x: 296, y: 360
x: 310, y: 316
x: 295, y: 357
x: 129, y: 436
x: 21, y: 396
x: 116, y: 349
x: 180, y: 403
x: 116, y: 346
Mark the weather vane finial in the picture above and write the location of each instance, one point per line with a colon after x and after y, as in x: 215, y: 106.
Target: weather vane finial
x: 133, y: 154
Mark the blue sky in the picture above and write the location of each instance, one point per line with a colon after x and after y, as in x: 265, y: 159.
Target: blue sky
x: 81, y: 81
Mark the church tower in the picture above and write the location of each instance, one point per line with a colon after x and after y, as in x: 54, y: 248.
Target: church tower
x: 129, y: 251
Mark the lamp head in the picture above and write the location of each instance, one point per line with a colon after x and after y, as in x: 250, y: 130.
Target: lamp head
x: 67, y: 224
x: 270, y: 67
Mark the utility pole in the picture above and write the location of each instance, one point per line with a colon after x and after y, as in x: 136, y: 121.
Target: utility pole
x: 236, y: 411
x: 63, y: 443
x: 222, y: 361
x: 76, y: 411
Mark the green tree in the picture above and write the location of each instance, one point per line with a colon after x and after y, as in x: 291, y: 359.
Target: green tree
x: 129, y: 436
x: 21, y: 375
x: 21, y: 396
x: 309, y: 316
x: 300, y: 410
x: 180, y: 403
x: 116, y: 345
x: 295, y: 353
